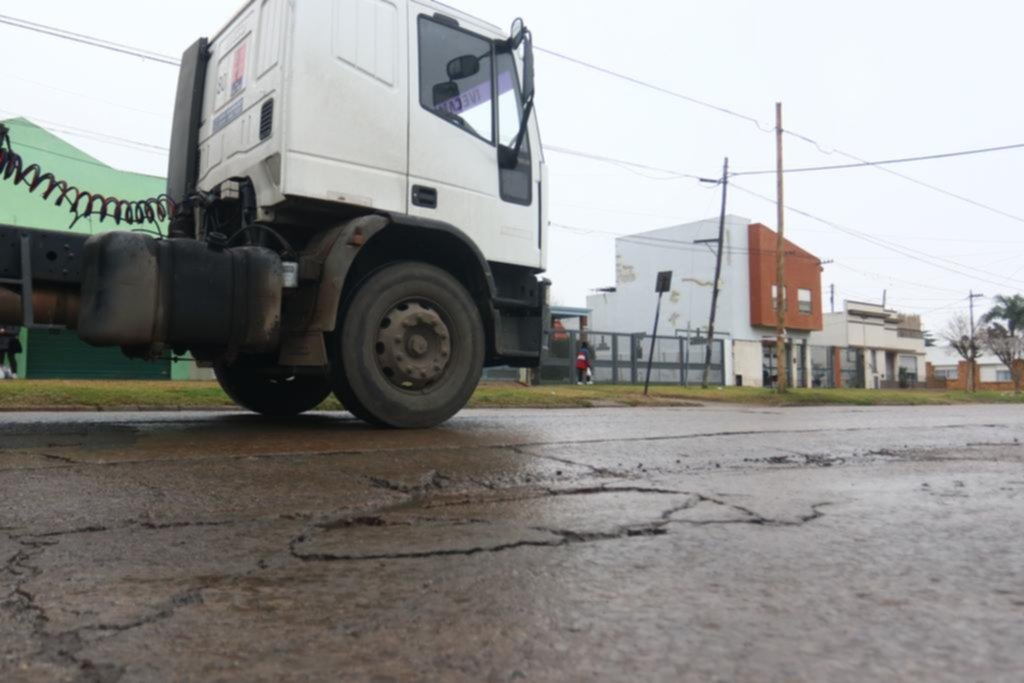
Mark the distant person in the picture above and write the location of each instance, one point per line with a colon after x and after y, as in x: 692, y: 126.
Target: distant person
x: 10, y: 346
x: 583, y: 371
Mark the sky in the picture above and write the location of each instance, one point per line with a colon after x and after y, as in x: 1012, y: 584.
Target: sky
x: 873, y: 80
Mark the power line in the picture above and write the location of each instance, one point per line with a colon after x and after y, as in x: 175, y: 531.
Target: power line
x: 905, y: 160
x: 656, y: 88
x: 97, y: 136
x: 608, y: 209
x: 163, y: 115
x: 878, y: 242
x: 676, y: 175
x: 889, y: 278
x: 88, y: 40
x: 153, y: 56
x: 768, y: 129
x: 676, y: 245
x: 890, y: 171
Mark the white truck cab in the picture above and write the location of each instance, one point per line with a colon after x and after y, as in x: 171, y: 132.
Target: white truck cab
x: 387, y: 105
x: 359, y: 209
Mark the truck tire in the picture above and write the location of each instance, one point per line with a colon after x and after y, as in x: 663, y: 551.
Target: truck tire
x: 408, y: 349
x: 272, y: 396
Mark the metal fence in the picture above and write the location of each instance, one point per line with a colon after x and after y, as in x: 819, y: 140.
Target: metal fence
x: 823, y: 374
x: 622, y: 358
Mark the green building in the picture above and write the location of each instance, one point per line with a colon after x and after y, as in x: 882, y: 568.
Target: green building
x: 49, y: 355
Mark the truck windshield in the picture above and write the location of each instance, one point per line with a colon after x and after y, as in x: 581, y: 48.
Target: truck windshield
x: 466, y: 101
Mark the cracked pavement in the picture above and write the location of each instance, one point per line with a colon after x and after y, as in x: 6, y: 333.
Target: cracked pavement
x: 713, y: 543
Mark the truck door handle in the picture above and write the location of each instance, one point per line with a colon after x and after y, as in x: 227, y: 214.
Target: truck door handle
x: 424, y: 196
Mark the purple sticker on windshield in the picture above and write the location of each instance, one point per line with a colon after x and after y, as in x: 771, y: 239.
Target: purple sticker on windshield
x: 476, y: 96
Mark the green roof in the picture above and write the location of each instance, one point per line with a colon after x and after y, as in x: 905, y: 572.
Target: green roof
x: 37, y: 145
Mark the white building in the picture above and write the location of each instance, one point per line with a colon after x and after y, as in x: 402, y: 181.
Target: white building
x: 874, y: 345
x: 745, y: 317
x: 947, y: 365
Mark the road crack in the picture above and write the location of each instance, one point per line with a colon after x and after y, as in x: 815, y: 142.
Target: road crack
x: 514, y: 447
x: 64, y: 648
x: 561, y: 537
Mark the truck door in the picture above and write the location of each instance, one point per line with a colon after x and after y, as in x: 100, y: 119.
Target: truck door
x: 464, y: 100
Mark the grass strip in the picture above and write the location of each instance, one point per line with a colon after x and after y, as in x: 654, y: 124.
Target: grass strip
x: 28, y: 395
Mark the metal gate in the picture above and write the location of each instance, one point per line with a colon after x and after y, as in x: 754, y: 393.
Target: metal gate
x: 622, y: 358
x: 53, y: 355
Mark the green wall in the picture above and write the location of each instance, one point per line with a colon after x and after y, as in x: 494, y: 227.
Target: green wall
x: 20, y: 207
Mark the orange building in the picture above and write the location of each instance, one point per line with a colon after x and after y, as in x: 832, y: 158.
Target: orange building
x: 802, y: 276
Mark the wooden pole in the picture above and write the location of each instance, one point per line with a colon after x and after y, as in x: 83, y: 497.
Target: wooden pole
x: 780, y: 265
x: 718, y: 276
x: 972, y: 365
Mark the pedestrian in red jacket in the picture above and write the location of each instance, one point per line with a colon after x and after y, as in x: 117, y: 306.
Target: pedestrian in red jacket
x: 583, y: 371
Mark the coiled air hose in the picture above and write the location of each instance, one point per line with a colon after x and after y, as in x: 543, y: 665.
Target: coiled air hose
x: 81, y: 204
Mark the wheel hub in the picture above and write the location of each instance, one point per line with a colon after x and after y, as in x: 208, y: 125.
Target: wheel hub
x: 413, y: 345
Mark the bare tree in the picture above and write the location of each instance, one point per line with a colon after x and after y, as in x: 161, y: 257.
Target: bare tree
x: 1008, y: 347
x: 958, y: 334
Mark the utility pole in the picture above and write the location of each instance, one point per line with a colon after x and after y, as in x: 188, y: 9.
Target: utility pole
x: 974, y: 344
x: 832, y: 297
x: 718, y: 276
x: 885, y: 297
x: 780, y: 265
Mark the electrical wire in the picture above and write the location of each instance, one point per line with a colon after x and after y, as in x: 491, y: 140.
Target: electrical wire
x: 915, y: 255
x: 765, y: 128
x: 124, y: 49
x: 658, y: 88
x: 84, y: 132
x: 911, y: 179
x: 144, y: 54
x: 884, y: 162
x: 89, y: 162
x: 73, y: 93
x: 88, y: 40
x: 675, y: 175
x: 676, y: 245
x: 608, y: 209
x: 889, y: 278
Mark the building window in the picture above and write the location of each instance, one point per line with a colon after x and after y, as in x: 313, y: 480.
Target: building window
x: 1003, y: 376
x: 946, y: 373
x: 908, y: 365
x: 775, y: 296
x: 455, y: 77
x: 805, y: 300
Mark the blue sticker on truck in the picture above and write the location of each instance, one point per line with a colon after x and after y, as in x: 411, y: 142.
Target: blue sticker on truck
x: 228, y: 115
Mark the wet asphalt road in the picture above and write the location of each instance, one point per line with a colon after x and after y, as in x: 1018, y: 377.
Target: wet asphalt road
x: 710, y: 543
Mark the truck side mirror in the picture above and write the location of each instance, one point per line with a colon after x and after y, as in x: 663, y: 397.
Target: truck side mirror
x: 445, y: 92
x: 528, y: 67
x: 463, y: 67
x: 520, y: 35
x: 515, y: 36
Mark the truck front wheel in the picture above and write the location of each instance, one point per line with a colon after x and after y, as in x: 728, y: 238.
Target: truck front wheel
x: 408, y: 348
x: 271, y: 395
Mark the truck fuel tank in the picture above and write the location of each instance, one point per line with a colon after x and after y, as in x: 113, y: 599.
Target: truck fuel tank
x: 141, y: 292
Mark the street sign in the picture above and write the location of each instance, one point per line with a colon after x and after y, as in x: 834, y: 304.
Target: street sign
x: 664, y: 282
